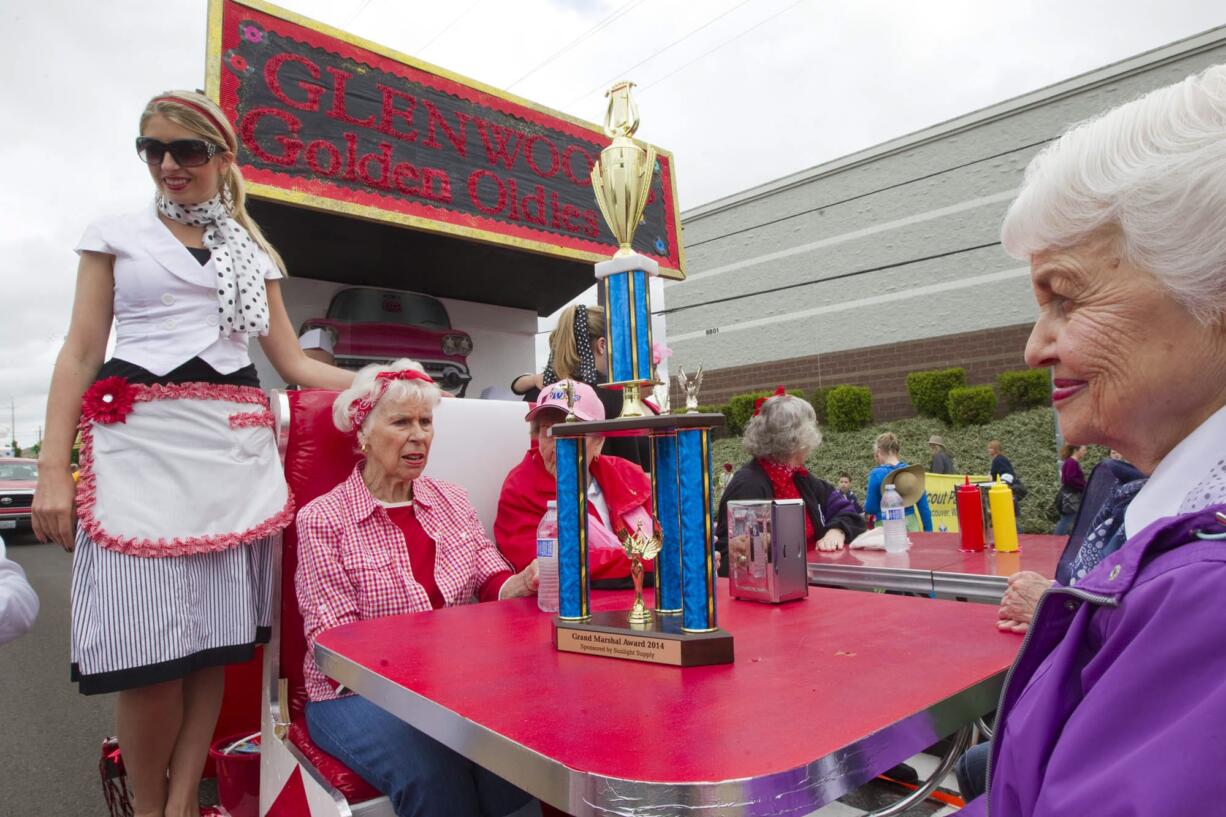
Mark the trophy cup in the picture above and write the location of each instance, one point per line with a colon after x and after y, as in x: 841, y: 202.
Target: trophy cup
x: 681, y: 629
x: 621, y: 181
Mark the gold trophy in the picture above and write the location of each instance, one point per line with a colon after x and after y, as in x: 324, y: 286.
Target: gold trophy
x: 622, y: 177
x: 639, y: 546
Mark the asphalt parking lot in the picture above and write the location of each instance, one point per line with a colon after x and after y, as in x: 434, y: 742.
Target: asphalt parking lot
x: 51, y: 735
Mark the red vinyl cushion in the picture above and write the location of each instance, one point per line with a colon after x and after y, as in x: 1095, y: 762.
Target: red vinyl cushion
x: 317, y: 458
x: 355, y: 789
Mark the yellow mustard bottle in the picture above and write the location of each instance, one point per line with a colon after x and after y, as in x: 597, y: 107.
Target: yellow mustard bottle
x: 1004, y: 523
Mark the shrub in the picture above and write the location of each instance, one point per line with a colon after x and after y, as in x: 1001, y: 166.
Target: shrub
x: 719, y: 432
x: 972, y: 405
x: 929, y: 391
x: 819, y: 404
x: 1025, y: 389
x: 849, y: 408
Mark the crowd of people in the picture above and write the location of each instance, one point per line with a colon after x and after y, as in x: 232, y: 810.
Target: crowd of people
x: 1123, y: 221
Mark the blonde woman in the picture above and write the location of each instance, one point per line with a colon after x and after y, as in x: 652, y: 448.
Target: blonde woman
x: 578, y: 350
x: 180, y: 491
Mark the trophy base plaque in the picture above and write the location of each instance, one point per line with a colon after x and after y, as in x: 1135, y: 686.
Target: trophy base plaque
x: 657, y: 641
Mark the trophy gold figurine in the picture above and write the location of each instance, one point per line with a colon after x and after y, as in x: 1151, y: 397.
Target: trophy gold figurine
x: 621, y: 181
x: 639, y: 546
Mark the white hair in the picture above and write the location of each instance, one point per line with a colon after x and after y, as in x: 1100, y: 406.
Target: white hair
x: 785, y: 425
x: 363, y: 386
x: 1155, y: 170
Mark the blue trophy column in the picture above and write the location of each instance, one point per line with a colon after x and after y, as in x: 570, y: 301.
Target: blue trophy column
x: 697, y: 533
x: 627, y: 299
x: 572, y: 529
x: 666, y: 500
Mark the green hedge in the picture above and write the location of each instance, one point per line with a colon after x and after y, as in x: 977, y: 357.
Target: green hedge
x: 719, y: 432
x: 820, y: 395
x: 971, y: 405
x: 849, y: 408
x: 929, y: 391
x: 1025, y: 389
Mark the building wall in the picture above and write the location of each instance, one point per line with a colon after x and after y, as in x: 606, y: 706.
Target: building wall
x: 983, y: 354
x: 855, y: 270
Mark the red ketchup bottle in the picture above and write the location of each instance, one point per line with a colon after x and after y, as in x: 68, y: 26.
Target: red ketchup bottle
x: 970, y: 516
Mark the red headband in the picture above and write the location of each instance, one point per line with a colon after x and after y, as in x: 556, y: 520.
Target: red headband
x: 780, y: 391
x: 361, y: 409
x: 200, y: 109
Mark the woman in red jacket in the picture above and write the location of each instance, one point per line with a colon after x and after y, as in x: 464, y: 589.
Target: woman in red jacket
x: 619, y: 492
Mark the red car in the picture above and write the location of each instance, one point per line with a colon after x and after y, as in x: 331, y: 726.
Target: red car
x: 380, y: 325
x: 17, y: 480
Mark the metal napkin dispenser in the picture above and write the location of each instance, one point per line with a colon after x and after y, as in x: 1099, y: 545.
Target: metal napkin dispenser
x: 766, y: 550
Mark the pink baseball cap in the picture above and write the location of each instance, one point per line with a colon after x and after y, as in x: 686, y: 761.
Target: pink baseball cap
x: 587, y: 403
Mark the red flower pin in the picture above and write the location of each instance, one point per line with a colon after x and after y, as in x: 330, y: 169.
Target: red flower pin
x: 108, y: 401
x: 780, y: 391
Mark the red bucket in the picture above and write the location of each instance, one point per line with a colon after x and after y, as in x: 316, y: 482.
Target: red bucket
x: 238, y: 774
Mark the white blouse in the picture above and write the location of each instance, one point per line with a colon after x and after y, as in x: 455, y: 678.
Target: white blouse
x: 165, y: 300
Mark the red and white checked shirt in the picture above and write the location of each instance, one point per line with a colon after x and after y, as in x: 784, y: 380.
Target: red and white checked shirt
x: 353, y: 563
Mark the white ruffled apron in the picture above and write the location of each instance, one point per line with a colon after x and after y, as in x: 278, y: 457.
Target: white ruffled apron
x: 180, y: 469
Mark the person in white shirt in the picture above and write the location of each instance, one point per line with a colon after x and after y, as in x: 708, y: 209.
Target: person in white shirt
x: 18, y: 601
x: 181, y: 493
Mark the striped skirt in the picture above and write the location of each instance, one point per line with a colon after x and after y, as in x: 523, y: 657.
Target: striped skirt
x: 138, y: 620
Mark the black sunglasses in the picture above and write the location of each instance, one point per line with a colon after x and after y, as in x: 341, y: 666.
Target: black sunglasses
x: 186, y: 152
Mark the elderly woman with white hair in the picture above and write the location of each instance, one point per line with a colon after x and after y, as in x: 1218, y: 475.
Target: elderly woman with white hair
x: 386, y: 541
x: 779, y: 438
x: 1116, y: 703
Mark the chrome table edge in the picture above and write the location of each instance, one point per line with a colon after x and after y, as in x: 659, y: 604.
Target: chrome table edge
x: 787, y: 793
x: 900, y: 579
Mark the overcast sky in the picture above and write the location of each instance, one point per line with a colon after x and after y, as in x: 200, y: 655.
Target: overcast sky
x: 742, y: 91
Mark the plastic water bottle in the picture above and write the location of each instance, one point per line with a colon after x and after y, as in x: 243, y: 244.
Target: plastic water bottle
x: 894, y: 520
x: 547, y: 559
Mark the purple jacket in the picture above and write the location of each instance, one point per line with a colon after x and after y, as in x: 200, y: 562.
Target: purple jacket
x: 1116, y: 703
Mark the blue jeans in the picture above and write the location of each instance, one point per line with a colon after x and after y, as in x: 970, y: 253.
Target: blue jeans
x: 972, y: 771
x: 1065, y: 526
x: 422, y: 777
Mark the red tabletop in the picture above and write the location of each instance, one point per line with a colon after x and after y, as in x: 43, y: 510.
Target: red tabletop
x: 1040, y: 553
x: 824, y: 694
x: 928, y: 551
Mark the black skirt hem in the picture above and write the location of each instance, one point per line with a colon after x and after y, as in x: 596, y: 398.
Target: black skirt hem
x: 119, y: 680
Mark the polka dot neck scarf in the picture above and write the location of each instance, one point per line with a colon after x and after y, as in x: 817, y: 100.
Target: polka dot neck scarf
x: 242, y: 305
x: 583, y: 345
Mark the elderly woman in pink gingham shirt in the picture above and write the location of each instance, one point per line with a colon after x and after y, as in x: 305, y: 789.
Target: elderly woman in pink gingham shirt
x: 386, y: 541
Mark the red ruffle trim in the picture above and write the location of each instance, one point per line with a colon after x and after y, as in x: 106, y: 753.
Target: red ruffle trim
x: 252, y: 419
x: 201, y: 391
x: 87, y: 487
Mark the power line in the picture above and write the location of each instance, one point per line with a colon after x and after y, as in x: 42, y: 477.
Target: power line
x: 356, y: 14
x: 815, y: 281
x: 613, y: 17
x: 721, y: 45
x: 676, y: 42
x: 450, y: 25
x: 868, y: 193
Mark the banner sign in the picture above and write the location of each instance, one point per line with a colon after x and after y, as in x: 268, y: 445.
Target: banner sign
x: 331, y: 122
x: 940, y: 488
